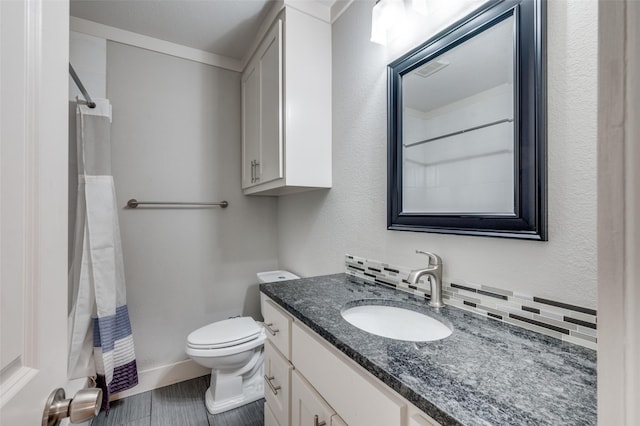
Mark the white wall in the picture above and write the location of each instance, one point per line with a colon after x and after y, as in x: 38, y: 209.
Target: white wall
x: 316, y: 229
x: 88, y: 55
x: 176, y: 137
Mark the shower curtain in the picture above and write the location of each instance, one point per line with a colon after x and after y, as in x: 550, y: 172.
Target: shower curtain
x: 100, y: 340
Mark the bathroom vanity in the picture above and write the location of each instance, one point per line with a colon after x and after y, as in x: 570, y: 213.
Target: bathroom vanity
x: 485, y: 372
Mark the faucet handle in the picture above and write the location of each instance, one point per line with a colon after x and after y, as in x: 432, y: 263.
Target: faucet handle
x: 434, y: 259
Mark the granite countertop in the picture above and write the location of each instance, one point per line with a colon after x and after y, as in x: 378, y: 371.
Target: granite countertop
x: 486, y: 373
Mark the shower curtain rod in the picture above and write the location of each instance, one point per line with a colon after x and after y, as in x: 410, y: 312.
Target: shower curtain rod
x: 75, y: 77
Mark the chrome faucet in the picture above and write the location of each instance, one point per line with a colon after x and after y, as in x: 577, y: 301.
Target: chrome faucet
x: 434, y: 271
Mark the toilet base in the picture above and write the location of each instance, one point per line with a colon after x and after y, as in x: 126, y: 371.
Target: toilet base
x: 237, y: 388
x: 217, y: 407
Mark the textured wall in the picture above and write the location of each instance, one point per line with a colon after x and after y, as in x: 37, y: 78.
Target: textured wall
x: 176, y: 136
x: 316, y: 229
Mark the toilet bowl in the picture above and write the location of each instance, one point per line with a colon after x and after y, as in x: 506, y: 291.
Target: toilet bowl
x: 234, y: 351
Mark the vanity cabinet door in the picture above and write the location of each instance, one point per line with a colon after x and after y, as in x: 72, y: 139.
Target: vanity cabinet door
x: 306, y: 403
x: 277, y: 386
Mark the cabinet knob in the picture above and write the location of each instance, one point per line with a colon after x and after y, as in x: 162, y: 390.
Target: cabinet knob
x: 316, y: 423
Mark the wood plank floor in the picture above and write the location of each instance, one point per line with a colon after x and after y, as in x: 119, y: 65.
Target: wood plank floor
x: 181, y: 404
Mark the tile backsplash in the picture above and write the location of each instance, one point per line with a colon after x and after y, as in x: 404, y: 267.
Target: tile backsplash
x: 570, y: 323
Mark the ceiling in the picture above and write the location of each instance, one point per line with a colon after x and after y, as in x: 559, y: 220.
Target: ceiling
x: 222, y: 27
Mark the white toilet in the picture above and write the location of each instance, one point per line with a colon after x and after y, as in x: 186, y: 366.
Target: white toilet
x: 234, y: 351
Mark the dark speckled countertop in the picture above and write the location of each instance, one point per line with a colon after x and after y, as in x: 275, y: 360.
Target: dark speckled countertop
x: 486, y: 373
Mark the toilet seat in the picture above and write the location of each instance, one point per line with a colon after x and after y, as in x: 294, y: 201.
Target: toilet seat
x: 229, y: 350
x: 224, y: 337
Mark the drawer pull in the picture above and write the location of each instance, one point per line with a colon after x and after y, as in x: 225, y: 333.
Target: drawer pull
x: 270, y: 329
x: 274, y: 389
x: 316, y: 423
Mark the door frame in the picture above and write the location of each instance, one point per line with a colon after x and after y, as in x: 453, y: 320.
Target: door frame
x: 618, y: 212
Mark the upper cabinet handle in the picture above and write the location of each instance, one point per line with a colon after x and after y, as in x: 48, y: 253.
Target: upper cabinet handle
x: 253, y: 171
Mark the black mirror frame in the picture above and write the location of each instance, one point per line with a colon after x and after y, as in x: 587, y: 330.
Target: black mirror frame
x: 530, y: 218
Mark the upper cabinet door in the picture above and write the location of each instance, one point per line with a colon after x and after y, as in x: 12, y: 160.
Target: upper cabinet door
x: 271, y: 166
x: 250, y: 124
x: 262, y: 158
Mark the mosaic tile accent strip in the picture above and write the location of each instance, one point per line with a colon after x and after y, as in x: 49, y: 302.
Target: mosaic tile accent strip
x: 570, y: 323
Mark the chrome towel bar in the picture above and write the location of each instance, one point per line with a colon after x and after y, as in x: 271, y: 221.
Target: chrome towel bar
x: 133, y: 203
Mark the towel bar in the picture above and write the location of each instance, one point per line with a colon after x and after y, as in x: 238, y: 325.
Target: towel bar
x: 133, y: 203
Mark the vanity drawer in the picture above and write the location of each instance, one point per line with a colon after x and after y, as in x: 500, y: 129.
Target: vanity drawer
x: 277, y: 385
x: 359, y: 399
x: 277, y: 324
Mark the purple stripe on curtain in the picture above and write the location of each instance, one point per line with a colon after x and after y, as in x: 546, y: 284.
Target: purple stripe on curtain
x: 124, y: 377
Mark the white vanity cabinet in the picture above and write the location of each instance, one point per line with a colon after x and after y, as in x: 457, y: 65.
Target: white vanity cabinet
x: 321, y: 381
x: 286, y: 108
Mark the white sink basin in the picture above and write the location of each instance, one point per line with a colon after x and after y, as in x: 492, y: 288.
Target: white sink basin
x: 396, y: 323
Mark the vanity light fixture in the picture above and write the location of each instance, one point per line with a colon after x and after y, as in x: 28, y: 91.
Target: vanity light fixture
x: 385, y: 14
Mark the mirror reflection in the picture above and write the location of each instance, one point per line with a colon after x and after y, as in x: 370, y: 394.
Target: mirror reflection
x: 458, y: 136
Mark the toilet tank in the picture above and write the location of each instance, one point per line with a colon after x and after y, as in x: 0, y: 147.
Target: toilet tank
x: 275, y: 276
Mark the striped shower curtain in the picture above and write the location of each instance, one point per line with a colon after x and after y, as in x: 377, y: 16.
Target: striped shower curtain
x: 100, y: 339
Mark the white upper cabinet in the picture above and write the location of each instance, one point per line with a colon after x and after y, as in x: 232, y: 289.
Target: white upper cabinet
x: 286, y: 108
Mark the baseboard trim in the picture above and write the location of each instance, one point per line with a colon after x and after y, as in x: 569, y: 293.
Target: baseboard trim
x: 165, y: 375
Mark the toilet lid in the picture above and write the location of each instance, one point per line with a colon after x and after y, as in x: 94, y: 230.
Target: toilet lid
x: 225, y: 333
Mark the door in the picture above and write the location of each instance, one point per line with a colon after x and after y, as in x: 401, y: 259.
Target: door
x: 33, y: 206
x: 306, y: 404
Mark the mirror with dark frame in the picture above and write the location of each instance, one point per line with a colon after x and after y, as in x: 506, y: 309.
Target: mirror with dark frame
x: 467, y: 131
